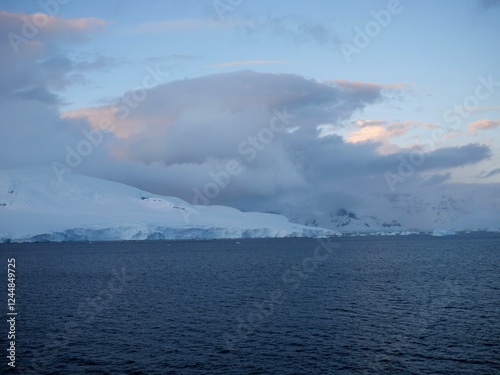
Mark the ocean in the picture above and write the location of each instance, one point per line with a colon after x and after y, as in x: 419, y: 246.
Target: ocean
x: 351, y: 305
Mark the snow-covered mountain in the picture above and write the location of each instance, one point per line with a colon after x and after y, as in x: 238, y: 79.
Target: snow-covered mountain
x: 36, y: 206
x: 447, y: 211
x: 348, y: 221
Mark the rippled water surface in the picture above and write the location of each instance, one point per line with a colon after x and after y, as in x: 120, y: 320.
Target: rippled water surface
x: 366, y: 305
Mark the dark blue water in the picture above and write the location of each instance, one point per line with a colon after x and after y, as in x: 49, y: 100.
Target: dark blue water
x: 371, y: 305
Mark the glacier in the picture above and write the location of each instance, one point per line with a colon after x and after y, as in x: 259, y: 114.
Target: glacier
x: 37, y: 207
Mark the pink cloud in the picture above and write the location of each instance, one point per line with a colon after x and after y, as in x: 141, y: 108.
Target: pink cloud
x: 106, y: 119
x: 31, y: 32
x: 382, y: 131
x: 483, y: 124
x: 52, y: 23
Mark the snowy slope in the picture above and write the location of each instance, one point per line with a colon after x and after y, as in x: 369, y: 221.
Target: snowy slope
x: 35, y: 206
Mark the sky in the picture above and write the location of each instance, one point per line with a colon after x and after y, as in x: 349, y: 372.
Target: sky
x: 286, y: 106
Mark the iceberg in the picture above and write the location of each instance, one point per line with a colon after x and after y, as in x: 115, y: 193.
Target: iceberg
x: 442, y: 232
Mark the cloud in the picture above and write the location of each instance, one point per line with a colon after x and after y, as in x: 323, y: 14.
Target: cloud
x: 491, y: 173
x: 49, y: 23
x: 295, y: 28
x: 164, y: 26
x: 182, y: 133
x: 34, y: 31
x: 382, y: 131
x: 484, y: 124
x: 185, y: 130
x: 40, y: 94
x: 436, y: 179
x: 178, y: 56
x: 366, y: 85
x: 209, y: 102
x: 35, y: 65
x: 457, y: 156
x: 250, y: 62
x: 31, y: 130
x: 62, y: 72
x: 100, y: 63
